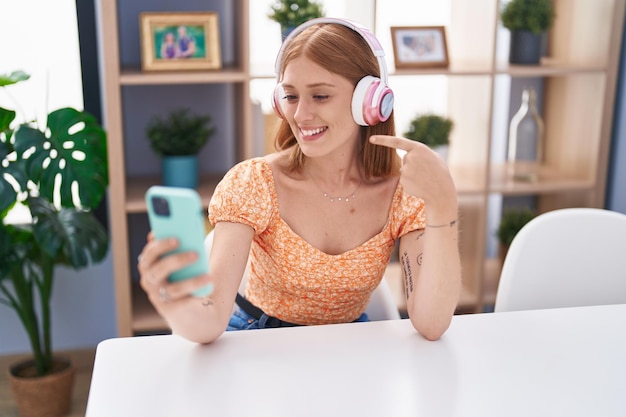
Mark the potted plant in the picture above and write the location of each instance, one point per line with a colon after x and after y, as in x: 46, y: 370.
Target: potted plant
x: 58, y: 174
x: 291, y: 13
x: 178, y: 139
x: 432, y: 130
x: 511, y: 222
x: 527, y: 20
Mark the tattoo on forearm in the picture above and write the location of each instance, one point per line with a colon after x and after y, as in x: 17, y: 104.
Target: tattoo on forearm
x: 207, y: 302
x: 408, y: 275
x: 419, y: 259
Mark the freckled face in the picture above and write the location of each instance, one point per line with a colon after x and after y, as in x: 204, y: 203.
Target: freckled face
x: 317, y: 105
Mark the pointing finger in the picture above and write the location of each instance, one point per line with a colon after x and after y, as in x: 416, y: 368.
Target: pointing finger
x: 393, y: 142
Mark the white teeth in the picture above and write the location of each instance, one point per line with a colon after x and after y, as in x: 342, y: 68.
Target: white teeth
x: 312, y: 131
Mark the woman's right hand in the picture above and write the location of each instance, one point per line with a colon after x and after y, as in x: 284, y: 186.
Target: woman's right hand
x: 155, y: 266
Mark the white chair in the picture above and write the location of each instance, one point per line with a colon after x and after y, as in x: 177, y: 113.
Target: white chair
x: 382, y: 305
x: 565, y: 258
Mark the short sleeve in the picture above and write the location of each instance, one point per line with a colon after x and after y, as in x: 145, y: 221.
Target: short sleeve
x: 244, y: 195
x: 408, y: 213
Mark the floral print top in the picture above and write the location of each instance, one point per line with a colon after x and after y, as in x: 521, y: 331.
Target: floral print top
x: 292, y: 280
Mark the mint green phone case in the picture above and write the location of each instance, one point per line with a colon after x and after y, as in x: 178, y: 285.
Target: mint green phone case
x: 177, y: 212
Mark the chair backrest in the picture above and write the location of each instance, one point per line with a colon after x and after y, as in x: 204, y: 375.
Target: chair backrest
x: 382, y: 305
x: 565, y: 258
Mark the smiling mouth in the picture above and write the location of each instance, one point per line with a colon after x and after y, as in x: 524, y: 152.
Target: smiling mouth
x: 312, y: 132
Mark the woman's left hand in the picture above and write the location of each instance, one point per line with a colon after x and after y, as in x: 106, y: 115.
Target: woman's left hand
x: 423, y: 174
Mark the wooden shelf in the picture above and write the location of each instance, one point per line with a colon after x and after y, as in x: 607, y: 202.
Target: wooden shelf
x: 549, y: 180
x: 136, y: 188
x: 454, y: 69
x: 138, y: 77
x: 578, y: 87
x: 548, y: 68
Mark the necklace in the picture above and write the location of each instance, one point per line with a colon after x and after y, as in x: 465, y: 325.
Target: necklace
x: 333, y: 198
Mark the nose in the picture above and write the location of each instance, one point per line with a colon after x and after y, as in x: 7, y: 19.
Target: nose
x: 303, y: 111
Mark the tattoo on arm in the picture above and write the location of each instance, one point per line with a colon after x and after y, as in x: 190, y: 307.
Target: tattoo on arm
x: 419, y: 259
x: 207, y: 302
x: 408, y: 275
x: 419, y: 236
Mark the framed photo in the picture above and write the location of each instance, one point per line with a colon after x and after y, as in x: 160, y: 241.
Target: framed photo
x: 179, y: 41
x: 419, y: 46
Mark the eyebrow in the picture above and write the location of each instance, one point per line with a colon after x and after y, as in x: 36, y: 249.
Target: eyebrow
x: 313, y: 85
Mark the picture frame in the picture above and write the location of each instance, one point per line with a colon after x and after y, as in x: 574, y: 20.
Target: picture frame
x: 419, y: 46
x: 179, y: 41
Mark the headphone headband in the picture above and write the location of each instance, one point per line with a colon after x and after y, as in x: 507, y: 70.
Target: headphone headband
x: 365, y: 33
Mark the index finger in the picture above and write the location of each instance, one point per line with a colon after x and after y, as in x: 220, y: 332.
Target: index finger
x: 393, y: 142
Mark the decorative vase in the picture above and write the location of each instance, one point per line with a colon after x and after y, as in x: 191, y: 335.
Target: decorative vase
x: 525, y: 147
x: 180, y: 171
x: 525, y: 47
x: 42, y: 396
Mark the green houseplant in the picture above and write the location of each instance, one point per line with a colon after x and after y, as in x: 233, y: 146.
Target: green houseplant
x: 511, y: 222
x: 59, y: 174
x: 432, y: 130
x: 292, y: 13
x: 178, y: 138
x: 527, y: 20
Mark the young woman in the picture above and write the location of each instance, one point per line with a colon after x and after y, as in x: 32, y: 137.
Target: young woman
x: 319, y: 218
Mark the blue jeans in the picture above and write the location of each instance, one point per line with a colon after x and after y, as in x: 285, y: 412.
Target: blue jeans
x: 240, y: 320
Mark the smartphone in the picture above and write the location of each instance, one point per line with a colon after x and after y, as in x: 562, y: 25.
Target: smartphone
x: 177, y: 212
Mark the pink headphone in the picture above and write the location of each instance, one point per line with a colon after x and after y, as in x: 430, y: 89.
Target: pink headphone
x: 372, y: 100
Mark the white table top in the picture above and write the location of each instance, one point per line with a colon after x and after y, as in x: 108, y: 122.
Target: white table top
x: 562, y: 362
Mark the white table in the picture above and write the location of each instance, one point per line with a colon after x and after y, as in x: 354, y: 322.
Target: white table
x: 561, y: 362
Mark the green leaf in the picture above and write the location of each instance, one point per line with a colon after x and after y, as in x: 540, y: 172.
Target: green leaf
x: 12, y: 78
x: 181, y: 133
x: 74, y: 149
x: 532, y: 15
x: 291, y: 13
x: 16, y: 247
x: 70, y: 236
x: 430, y: 129
x: 6, y: 117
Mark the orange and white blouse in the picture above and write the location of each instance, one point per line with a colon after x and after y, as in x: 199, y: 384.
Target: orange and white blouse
x: 292, y: 280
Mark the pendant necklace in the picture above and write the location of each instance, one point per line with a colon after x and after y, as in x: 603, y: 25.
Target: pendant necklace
x: 331, y: 198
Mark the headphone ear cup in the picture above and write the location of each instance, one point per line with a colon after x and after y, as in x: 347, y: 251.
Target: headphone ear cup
x: 372, y: 101
x: 277, y: 101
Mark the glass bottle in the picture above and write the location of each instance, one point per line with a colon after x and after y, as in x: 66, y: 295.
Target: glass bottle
x: 525, y: 147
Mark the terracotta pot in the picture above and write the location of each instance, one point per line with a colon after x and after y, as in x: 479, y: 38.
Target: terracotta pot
x: 45, y: 396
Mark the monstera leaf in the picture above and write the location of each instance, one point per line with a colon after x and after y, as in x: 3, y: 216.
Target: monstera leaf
x: 70, y: 154
x: 69, y: 236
